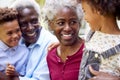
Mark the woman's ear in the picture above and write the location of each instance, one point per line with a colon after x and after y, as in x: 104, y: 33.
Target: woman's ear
x: 50, y: 25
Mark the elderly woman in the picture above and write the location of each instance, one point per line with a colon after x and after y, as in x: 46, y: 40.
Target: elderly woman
x: 65, y: 21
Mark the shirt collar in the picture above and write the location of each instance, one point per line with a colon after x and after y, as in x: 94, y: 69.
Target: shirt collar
x: 4, y: 47
x: 38, y: 43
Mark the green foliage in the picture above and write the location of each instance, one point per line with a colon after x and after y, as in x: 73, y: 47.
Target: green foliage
x: 41, y: 2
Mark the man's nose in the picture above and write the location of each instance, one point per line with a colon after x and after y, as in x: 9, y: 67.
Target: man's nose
x: 30, y: 26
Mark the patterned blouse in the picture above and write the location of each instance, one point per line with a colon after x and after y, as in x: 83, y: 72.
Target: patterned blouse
x: 109, y: 46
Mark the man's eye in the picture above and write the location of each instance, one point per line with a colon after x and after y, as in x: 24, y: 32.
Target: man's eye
x: 23, y: 24
x: 34, y: 21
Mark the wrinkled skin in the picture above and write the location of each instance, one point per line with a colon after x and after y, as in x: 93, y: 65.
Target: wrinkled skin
x: 29, y: 25
x: 66, y: 26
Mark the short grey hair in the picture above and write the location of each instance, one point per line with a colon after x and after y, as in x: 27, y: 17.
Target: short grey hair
x: 51, y: 7
x: 26, y: 3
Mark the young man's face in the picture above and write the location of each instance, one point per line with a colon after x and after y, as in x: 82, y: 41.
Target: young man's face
x: 10, y: 33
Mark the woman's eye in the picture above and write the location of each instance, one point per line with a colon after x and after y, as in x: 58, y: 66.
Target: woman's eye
x: 60, y: 23
x: 73, y: 22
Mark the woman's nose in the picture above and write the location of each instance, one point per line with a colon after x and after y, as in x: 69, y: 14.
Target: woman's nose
x: 67, y: 27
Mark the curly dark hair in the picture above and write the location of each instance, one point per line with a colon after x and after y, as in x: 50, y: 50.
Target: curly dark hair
x: 106, y: 7
x: 7, y: 14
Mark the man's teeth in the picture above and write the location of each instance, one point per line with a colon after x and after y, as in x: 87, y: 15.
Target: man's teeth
x: 31, y: 34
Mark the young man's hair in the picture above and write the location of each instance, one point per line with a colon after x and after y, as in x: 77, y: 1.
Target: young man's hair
x: 7, y: 14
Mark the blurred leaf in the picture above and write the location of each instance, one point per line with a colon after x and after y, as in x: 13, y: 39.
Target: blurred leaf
x: 41, y: 2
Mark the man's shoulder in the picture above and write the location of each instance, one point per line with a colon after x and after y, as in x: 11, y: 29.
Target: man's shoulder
x: 21, y: 47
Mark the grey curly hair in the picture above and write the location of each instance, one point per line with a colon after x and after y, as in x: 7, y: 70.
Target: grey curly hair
x: 26, y: 3
x: 51, y: 7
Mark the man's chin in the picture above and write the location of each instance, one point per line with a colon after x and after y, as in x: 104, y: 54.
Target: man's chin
x: 31, y: 41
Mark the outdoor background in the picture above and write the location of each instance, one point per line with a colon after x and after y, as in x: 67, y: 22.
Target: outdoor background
x: 83, y: 31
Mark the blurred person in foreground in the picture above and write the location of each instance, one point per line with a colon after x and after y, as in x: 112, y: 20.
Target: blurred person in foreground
x: 102, y: 49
